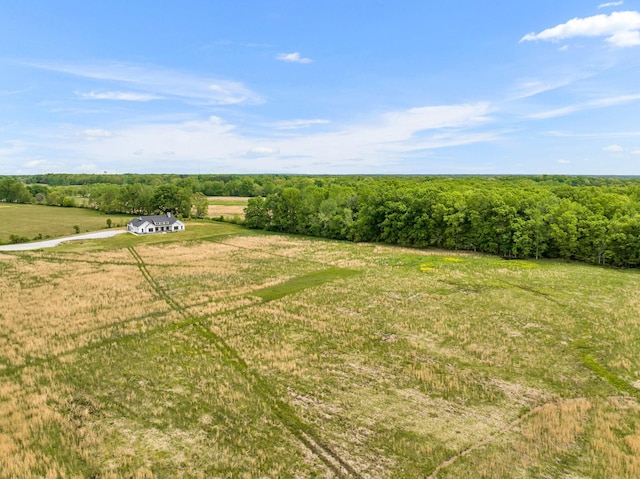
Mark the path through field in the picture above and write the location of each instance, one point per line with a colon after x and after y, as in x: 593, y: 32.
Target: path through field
x: 55, y: 242
x: 261, y: 388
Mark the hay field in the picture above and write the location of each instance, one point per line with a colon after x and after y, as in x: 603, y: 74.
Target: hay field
x: 229, y: 207
x: 235, y: 354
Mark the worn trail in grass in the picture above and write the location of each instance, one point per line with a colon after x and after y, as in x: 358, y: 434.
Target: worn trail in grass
x: 224, y: 353
x: 260, y: 387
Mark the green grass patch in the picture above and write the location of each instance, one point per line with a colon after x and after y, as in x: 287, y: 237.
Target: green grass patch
x: 228, y: 200
x: 195, y: 231
x: 40, y: 222
x: 300, y: 283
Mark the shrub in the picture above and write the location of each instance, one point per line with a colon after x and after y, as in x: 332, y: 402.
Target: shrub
x: 16, y: 239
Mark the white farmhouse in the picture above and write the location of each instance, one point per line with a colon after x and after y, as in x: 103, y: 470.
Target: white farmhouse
x: 155, y: 224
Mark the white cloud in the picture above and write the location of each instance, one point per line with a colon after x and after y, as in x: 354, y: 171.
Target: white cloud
x: 564, y: 162
x: 532, y: 87
x: 600, y: 103
x: 14, y: 148
x: 118, y: 95
x: 263, y: 151
x: 36, y: 164
x: 14, y: 92
x: 293, y: 57
x: 636, y: 151
x: 613, y: 148
x: 87, y: 168
x: 297, y: 124
x: 599, y: 135
x: 379, y: 144
x: 630, y: 38
x: 158, y: 82
x: 408, y: 122
x: 622, y: 29
x: 93, y: 134
x: 611, y: 4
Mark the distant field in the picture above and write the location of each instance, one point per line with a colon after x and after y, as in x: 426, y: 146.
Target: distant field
x: 227, y: 353
x: 227, y: 206
x: 33, y: 220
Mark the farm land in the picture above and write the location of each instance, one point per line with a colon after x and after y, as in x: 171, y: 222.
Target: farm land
x: 229, y: 207
x: 224, y: 352
x: 39, y: 222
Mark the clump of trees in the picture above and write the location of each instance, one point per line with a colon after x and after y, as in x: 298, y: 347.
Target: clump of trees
x: 12, y: 191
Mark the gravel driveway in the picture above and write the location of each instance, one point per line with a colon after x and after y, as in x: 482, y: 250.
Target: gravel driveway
x: 55, y: 242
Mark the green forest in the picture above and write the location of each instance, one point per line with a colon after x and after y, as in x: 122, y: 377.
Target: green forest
x: 589, y: 219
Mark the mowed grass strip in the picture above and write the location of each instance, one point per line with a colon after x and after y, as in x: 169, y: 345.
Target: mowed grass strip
x: 300, y: 283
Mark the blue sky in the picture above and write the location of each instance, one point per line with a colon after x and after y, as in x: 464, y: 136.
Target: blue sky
x: 330, y: 87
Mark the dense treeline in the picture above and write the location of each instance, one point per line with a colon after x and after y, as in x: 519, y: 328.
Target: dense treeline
x: 511, y: 217
x: 593, y: 219
x: 209, y: 185
x: 134, y: 199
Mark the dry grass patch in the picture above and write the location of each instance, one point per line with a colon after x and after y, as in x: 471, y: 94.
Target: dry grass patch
x: 51, y: 307
x: 226, y: 211
x: 423, y: 359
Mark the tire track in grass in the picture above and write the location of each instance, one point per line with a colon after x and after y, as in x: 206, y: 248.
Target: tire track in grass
x: 587, y: 360
x: 508, y: 428
x: 582, y: 348
x: 281, y: 410
x: 483, y: 442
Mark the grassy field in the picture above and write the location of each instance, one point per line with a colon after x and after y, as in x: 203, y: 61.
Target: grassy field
x: 31, y: 221
x: 229, y: 207
x: 221, y: 352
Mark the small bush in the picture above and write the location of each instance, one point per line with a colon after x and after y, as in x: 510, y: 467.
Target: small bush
x: 16, y: 239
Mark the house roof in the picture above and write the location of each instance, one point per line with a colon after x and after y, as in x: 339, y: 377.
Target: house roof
x: 155, y: 220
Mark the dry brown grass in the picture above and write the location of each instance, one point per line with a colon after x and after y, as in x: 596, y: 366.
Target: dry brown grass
x: 424, y: 359
x: 50, y: 308
x: 228, y: 211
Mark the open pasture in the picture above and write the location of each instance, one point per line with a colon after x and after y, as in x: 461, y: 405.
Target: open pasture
x: 227, y: 353
x: 30, y: 221
x: 228, y: 207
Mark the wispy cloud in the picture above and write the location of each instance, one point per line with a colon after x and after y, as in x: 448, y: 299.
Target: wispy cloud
x: 118, y: 95
x: 155, y: 82
x: 611, y: 4
x: 532, y: 87
x: 14, y: 92
x: 93, y: 134
x: 293, y: 58
x: 613, y: 148
x: 263, y: 151
x: 379, y: 143
x: 599, y: 103
x: 621, y: 29
x: 298, y: 124
x: 13, y: 147
x: 598, y: 136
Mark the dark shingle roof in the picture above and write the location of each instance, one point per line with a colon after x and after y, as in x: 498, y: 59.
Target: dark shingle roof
x: 155, y: 219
